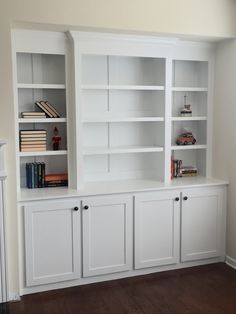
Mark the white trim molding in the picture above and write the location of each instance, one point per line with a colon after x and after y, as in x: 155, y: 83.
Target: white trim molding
x: 230, y: 261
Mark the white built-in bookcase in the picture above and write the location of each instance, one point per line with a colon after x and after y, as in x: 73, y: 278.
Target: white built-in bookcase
x: 40, y: 74
x: 120, y: 98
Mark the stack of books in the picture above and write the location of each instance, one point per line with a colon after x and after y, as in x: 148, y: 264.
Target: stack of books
x: 33, y: 115
x: 189, y: 171
x: 54, y: 180
x: 48, y: 109
x: 35, y: 175
x: 178, y: 170
x: 33, y: 140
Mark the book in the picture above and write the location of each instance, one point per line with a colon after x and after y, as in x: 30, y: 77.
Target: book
x: 34, y: 142
x: 44, y: 104
x: 39, y: 105
x: 33, y: 114
x: 53, y: 109
x: 22, y: 132
x: 60, y: 176
x: 33, y: 149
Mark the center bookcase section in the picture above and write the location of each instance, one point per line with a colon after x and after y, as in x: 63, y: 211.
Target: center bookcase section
x: 124, y: 166
x: 123, y: 105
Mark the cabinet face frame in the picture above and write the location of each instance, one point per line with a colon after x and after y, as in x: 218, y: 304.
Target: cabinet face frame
x: 188, y: 238
x: 125, y: 229
x: 172, y: 239
x: 52, y: 207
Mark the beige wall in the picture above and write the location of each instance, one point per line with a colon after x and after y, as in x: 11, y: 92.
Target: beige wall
x: 224, y: 148
x: 191, y: 17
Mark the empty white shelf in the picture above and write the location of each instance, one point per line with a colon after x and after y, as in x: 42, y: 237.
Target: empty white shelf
x: 121, y: 150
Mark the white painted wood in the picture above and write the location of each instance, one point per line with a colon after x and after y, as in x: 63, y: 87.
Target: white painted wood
x: 122, y: 119
x: 157, y: 227
x: 202, y: 224
x: 188, y: 147
x: 3, y: 254
x: 120, y: 150
x: 189, y: 89
x: 189, y: 118
x: 44, y: 153
x: 41, y: 86
x: 42, y: 120
x: 107, y: 235
x: 52, y: 241
x: 124, y: 87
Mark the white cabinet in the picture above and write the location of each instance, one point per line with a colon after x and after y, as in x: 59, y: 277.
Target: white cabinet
x: 107, y: 234
x: 202, y: 224
x: 52, y: 241
x: 157, y: 221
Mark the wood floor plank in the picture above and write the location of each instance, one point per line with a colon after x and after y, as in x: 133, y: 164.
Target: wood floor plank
x: 207, y: 289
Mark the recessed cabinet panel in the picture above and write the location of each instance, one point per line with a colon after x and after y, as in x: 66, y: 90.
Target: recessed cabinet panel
x: 52, y: 242
x: 157, y: 229
x: 107, y: 235
x: 201, y: 224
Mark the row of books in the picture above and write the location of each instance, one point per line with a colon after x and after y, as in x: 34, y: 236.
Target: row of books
x: 178, y: 170
x: 48, y: 110
x: 33, y: 140
x: 36, y: 177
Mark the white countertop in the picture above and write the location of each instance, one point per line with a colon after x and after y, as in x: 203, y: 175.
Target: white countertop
x: 116, y: 187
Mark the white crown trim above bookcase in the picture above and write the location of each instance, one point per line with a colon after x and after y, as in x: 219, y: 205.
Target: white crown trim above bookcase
x: 121, y: 97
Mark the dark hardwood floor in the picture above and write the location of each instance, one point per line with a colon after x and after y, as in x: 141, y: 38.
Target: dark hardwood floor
x: 207, y: 289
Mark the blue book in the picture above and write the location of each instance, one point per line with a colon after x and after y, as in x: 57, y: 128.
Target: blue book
x: 32, y: 175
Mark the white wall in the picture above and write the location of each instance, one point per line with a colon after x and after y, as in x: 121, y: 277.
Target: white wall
x: 224, y: 148
x: 191, y: 17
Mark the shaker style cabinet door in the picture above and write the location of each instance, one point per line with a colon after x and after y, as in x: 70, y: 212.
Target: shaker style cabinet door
x: 107, y: 234
x: 202, y: 224
x: 157, y: 219
x: 52, y: 241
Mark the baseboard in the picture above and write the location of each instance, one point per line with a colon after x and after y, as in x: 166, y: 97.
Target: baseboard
x: 230, y: 261
x: 13, y: 296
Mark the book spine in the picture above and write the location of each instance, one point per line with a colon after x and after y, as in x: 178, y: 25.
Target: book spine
x: 39, y: 175
x: 43, y: 174
x: 35, y: 175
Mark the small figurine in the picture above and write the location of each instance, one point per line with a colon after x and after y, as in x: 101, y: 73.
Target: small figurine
x: 56, y: 139
x: 186, y: 111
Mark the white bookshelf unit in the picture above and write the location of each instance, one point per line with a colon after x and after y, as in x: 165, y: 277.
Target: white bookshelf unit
x: 120, y: 98
x: 41, y: 75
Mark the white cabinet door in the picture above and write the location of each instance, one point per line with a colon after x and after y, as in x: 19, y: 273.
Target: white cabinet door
x: 107, y: 234
x: 52, y: 241
x: 157, y: 219
x: 202, y: 223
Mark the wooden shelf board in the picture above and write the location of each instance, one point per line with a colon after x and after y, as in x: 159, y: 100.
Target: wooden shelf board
x: 43, y: 153
x: 119, y: 186
x: 188, y: 147
x: 189, y: 118
x: 123, y: 87
x: 121, y: 150
x: 42, y: 120
x: 41, y: 86
x: 189, y: 89
x: 123, y: 119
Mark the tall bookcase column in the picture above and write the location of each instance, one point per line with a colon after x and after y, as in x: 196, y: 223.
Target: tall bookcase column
x: 40, y: 61
x: 122, y: 87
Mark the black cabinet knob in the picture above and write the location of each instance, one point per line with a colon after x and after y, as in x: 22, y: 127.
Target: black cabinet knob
x: 76, y: 208
x: 185, y: 198
x: 86, y: 207
x: 177, y: 199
